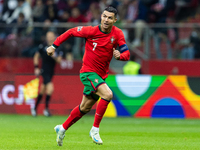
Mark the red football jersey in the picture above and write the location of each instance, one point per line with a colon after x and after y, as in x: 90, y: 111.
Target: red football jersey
x: 98, y: 47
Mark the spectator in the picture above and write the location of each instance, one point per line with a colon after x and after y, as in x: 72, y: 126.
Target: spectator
x: 122, y: 9
x: 76, y: 16
x: 38, y: 11
x: 132, y: 11
x: 132, y: 67
x: 142, y: 20
x: 127, y: 14
x: 23, y: 7
x: 66, y: 5
x: 115, y: 3
x: 8, y: 8
x: 160, y: 12
x: 51, y: 11
x: 92, y: 8
x: 84, y: 5
x: 128, y: 11
x: 185, y: 8
x: 71, y: 4
x: 192, y: 49
x: 63, y: 18
x: 93, y: 15
x: 104, y: 3
x: 62, y: 5
x: 96, y: 18
x: 20, y: 29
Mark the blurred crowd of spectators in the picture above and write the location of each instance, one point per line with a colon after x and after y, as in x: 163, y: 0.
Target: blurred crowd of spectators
x: 23, y: 13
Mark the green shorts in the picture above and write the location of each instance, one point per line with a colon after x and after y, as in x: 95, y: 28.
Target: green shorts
x: 91, y: 81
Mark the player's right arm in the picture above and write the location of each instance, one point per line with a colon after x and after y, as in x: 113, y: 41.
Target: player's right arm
x: 81, y: 31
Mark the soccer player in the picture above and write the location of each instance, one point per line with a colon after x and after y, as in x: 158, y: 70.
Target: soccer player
x: 47, y: 71
x: 100, y: 45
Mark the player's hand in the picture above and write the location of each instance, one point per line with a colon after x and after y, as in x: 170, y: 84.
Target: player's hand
x: 37, y: 71
x: 50, y: 51
x: 116, y: 54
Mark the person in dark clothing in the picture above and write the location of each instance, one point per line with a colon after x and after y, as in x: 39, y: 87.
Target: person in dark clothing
x: 192, y: 49
x: 47, y: 72
x: 51, y: 11
x: 159, y: 13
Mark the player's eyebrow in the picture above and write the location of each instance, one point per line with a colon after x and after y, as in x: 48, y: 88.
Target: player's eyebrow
x: 107, y: 16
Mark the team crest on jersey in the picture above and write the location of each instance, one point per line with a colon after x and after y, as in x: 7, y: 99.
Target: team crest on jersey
x: 112, y: 39
x: 96, y: 80
x: 79, y: 28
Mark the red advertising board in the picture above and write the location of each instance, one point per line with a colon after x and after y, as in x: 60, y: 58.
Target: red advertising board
x: 172, y: 67
x: 67, y: 94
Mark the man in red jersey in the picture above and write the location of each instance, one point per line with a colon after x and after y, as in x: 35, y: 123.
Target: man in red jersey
x: 101, y: 42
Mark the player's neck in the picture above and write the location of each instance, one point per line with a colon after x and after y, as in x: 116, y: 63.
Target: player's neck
x: 105, y: 30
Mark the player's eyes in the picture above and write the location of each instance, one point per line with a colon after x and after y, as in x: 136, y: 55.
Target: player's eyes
x: 110, y: 18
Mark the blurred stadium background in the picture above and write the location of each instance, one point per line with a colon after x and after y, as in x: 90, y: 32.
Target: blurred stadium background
x: 164, y: 36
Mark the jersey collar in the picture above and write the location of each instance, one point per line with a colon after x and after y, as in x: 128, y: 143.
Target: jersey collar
x: 103, y: 31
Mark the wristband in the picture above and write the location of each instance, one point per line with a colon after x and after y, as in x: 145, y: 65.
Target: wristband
x: 53, y: 47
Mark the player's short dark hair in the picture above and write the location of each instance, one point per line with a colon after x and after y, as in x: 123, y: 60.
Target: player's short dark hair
x: 111, y: 9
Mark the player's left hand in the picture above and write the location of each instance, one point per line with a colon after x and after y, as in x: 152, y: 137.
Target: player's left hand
x: 116, y: 53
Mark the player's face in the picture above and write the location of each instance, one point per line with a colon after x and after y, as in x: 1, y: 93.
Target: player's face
x: 107, y: 21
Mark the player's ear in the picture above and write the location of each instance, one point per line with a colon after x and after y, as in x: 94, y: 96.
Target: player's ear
x: 101, y: 15
x: 115, y: 19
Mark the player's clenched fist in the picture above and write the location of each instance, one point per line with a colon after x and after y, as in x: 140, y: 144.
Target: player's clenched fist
x: 116, y: 53
x: 50, y: 51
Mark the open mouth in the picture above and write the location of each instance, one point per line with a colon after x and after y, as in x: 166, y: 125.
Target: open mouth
x: 106, y: 24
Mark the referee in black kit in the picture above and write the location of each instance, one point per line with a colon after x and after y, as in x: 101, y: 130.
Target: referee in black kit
x: 47, y: 72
